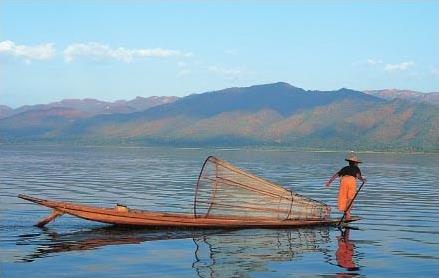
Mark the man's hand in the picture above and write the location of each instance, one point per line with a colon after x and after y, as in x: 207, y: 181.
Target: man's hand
x: 362, y: 178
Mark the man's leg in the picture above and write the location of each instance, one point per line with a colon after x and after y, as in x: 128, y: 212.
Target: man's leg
x: 348, y: 214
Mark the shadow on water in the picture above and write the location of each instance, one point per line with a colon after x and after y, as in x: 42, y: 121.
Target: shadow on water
x: 216, y: 253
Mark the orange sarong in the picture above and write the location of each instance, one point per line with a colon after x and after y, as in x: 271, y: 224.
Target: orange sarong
x: 348, y: 187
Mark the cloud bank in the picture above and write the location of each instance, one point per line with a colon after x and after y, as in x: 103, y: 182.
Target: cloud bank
x: 89, y: 50
x: 377, y: 63
x: 228, y: 72
x: 399, y: 67
x: 102, y: 51
x: 373, y: 62
x: 28, y: 53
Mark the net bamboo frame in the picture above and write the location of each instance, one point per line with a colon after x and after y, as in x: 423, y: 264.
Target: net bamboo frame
x: 226, y: 191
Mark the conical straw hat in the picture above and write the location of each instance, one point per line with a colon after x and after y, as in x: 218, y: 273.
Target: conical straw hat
x: 352, y: 157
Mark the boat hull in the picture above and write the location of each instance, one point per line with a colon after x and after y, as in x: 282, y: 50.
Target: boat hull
x: 142, y: 218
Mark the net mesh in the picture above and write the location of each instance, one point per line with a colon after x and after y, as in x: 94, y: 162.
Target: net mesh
x: 224, y: 190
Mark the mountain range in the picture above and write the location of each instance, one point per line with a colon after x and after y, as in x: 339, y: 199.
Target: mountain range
x: 277, y: 114
x: 90, y: 107
x: 389, y: 94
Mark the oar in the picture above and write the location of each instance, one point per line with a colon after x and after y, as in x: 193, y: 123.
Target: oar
x: 349, y: 206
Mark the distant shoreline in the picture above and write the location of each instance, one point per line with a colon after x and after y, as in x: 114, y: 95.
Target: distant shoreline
x: 260, y: 148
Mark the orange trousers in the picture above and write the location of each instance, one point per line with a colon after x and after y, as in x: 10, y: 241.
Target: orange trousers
x: 348, y: 187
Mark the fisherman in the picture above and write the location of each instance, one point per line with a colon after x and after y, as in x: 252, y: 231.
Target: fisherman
x: 348, y: 183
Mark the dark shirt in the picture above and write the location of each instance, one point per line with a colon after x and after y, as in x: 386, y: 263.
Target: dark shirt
x: 350, y: 170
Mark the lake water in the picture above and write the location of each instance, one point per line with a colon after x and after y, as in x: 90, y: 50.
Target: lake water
x: 398, y: 235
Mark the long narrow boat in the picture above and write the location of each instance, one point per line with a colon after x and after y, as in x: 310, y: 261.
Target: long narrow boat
x: 144, y: 218
x: 225, y: 197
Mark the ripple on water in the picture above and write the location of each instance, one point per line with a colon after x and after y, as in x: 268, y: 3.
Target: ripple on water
x: 399, y: 207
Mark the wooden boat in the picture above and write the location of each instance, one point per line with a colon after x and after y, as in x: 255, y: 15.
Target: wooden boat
x: 226, y: 197
x: 141, y: 218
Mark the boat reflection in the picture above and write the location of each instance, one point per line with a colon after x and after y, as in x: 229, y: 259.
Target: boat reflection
x: 216, y: 252
x: 50, y: 242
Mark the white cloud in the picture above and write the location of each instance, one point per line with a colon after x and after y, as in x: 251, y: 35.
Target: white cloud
x: 373, y: 62
x: 102, y: 51
x: 228, y: 72
x: 231, y: 52
x: 184, y: 72
x: 382, y: 65
x: 399, y: 67
x: 183, y: 69
x: 26, y: 52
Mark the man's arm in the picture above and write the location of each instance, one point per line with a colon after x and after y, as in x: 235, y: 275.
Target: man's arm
x: 328, y: 183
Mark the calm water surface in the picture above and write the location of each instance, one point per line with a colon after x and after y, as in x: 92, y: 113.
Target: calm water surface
x: 397, y: 237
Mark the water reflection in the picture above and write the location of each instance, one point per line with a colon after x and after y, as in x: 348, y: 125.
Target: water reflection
x: 345, y: 252
x: 216, y: 253
x: 49, y: 242
x: 235, y: 254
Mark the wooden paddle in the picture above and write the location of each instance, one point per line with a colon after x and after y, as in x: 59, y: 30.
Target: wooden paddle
x: 350, y: 204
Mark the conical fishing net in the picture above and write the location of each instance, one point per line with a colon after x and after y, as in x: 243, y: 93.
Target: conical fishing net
x: 224, y: 190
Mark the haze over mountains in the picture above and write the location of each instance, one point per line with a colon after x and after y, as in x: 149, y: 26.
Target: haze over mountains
x: 90, y: 107
x: 272, y: 114
x: 431, y: 98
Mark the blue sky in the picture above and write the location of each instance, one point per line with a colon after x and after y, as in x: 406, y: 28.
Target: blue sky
x: 122, y: 49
